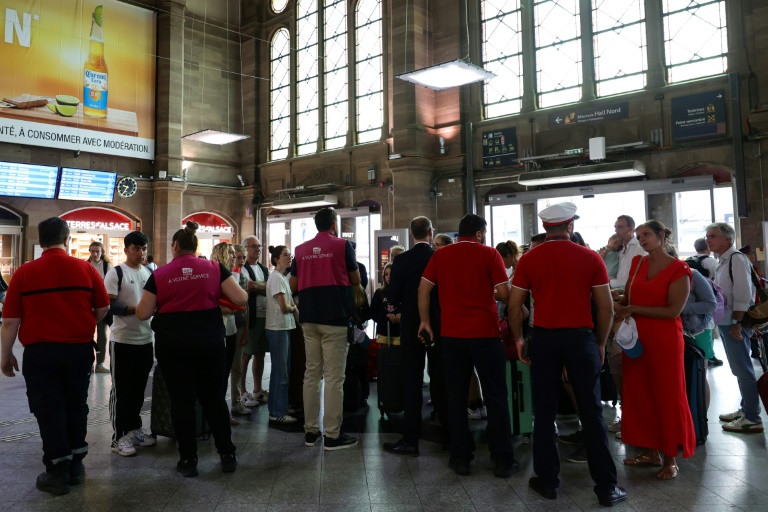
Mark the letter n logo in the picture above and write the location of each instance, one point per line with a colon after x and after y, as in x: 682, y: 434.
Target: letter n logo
x: 12, y: 23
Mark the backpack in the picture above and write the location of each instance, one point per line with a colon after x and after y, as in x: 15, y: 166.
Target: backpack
x: 719, y: 315
x: 695, y: 262
x: 757, y: 314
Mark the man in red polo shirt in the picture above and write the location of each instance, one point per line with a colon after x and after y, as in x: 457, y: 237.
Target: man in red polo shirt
x: 54, y: 315
x: 564, y: 278
x: 470, y: 338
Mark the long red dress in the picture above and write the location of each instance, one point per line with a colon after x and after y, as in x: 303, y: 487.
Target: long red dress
x: 655, y: 412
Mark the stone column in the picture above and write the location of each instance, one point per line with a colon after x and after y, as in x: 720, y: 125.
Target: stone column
x: 169, y: 197
x: 411, y: 179
x: 170, y: 83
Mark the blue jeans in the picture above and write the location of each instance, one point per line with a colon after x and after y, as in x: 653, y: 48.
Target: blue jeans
x: 280, y: 355
x: 739, y: 357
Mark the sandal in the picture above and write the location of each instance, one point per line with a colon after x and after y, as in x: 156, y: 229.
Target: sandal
x: 668, y: 472
x: 643, y: 460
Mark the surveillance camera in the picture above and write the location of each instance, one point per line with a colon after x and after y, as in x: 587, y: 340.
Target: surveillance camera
x: 77, y: 153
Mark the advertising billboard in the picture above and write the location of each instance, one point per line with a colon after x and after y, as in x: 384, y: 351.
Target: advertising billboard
x: 78, y: 75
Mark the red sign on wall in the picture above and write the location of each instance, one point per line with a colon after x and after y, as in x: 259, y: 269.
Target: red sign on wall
x: 98, y: 219
x: 209, y: 223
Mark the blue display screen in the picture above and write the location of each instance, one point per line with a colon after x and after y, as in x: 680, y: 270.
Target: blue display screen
x: 27, y: 180
x: 87, y: 185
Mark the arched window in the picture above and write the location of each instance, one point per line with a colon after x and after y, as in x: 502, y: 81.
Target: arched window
x: 280, y: 95
x: 502, y: 55
x: 335, y: 69
x: 695, y: 39
x: 279, y: 5
x: 369, y: 71
x: 557, y: 33
x: 619, y: 45
x: 307, y: 78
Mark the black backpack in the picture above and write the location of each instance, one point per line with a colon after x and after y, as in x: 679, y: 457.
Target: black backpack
x: 109, y: 318
x: 695, y: 262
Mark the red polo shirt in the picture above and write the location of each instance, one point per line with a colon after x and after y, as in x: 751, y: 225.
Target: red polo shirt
x: 54, y: 296
x: 560, y: 276
x: 466, y: 273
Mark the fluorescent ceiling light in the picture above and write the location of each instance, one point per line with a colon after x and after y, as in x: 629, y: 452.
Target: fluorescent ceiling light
x: 215, y: 137
x: 305, y: 202
x: 609, y: 171
x: 447, y: 75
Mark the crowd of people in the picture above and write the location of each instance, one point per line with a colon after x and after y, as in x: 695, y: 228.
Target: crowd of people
x: 206, y: 321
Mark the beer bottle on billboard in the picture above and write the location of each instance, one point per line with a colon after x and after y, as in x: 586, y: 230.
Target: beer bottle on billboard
x: 95, y: 71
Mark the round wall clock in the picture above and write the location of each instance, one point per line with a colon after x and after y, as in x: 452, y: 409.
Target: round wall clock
x: 127, y: 186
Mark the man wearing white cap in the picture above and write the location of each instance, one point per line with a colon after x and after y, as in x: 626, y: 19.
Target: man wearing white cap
x: 563, y: 337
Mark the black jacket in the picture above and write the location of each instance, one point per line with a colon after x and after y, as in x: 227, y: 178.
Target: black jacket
x: 404, y: 290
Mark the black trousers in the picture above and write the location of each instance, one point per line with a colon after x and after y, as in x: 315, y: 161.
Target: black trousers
x: 414, y: 398
x: 57, y: 377
x: 231, y: 345
x: 576, y: 350
x: 459, y: 356
x: 193, y: 369
x: 130, y: 366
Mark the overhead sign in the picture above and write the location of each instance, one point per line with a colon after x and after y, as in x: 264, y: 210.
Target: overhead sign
x: 97, y: 219
x: 79, y: 75
x: 208, y: 223
x: 698, y: 116
x: 589, y: 115
x: 499, y: 148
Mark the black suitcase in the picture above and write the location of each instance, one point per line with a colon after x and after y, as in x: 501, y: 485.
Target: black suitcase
x: 695, y: 387
x: 357, y: 366
x: 390, y: 366
x: 160, y: 419
x: 298, y: 366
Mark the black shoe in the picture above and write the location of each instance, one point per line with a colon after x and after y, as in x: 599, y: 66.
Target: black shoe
x: 575, y: 438
x: 187, y: 467
x: 402, y: 448
x: 506, y: 469
x: 537, y: 485
x: 579, y: 456
x: 56, y: 482
x: 76, y: 472
x: 460, y: 466
x: 311, y: 438
x: 341, y: 442
x: 617, y: 496
x: 228, y: 462
x: 713, y: 361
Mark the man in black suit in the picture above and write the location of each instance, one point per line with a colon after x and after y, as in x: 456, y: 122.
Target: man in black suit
x: 403, y: 289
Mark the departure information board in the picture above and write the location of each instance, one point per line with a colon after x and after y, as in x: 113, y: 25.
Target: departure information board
x: 87, y: 185
x: 27, y: 180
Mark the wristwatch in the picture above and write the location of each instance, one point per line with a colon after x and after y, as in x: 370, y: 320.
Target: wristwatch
x: 734, y: 321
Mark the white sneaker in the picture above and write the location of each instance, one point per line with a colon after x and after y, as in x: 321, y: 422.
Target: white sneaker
x: 142, y: 438
x: 124, y: 446
x: 283, y: 419
x: 743, y: 425
x: 239, y: 408
x: 732, y: 416
x: 262, y: 396
x: 249, y: 400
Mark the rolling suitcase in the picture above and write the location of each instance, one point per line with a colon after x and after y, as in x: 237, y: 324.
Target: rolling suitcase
x: 390, y: 364
x: 695, y: 386
x: 160, y: 419
x: 520, y: 399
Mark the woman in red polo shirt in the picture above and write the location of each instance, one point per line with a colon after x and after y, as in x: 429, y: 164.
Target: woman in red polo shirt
x: 184, y: 296
x: 655, y: 408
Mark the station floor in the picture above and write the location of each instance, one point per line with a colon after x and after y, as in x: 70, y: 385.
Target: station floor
x: 278, y: 473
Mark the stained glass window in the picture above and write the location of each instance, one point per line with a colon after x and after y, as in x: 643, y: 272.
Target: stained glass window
x: 307, y: 78
x: 369, y: 70
x: 502, y: 55
x: 557, y: 32
x: 695, y: 38
x: 280, y: 95
x: 335, y: 69
x: 619, y: 46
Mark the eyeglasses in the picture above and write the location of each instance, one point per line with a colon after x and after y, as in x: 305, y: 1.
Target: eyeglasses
x: 620, y: 227
x: 254, y: 246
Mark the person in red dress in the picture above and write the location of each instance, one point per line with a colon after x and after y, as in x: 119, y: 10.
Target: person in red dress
x: 656, y: 415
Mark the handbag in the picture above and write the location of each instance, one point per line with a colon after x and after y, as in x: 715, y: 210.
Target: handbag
x: 626, y: 336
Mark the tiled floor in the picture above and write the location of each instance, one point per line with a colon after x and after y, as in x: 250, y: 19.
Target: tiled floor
x: 277, y: 472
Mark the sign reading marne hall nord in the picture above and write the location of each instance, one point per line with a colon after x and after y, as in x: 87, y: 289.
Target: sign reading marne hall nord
x: 576, y: 116
x: 698, y: 116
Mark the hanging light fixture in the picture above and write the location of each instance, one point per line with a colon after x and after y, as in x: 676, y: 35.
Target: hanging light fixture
x: 445, y: 75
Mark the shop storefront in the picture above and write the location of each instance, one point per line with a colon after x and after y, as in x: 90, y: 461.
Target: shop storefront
x: 213, y: 230
x: 97, y: 224
x: 10, y: 242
